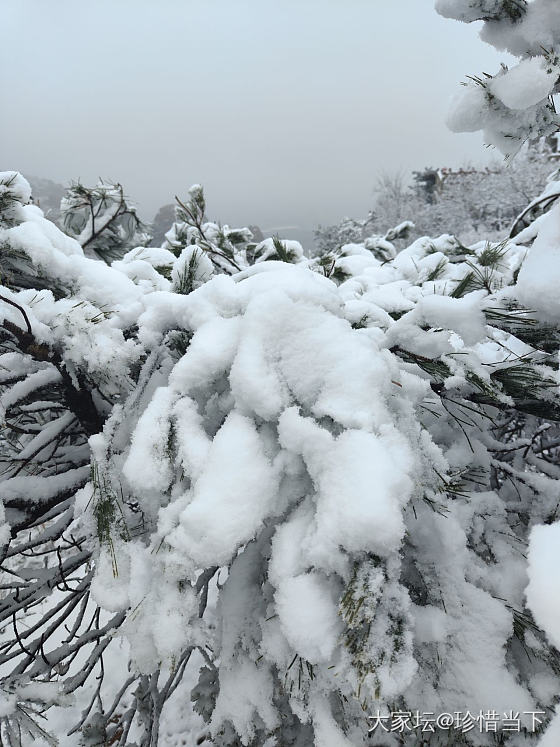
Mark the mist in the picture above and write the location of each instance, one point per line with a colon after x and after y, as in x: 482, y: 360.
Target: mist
x: 285, y: 111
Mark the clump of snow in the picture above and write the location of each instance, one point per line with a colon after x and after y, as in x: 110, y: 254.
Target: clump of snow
x: 308, y: 615
x: 526, y: 84
x: 430, y: 624
x: 221, y: 516
x: 539, y: 278
x: 468, y: 109
x: 538, y: 29
x: 362, y: 482
x: 158, y: 257
x: 109, y: 588
x: 469, y: 10
x: 463, y: 315
x: 143, y: 273
x: 245, y: 692
x: 16, y: 185
x: 148, y: 465
x: 327, y: 731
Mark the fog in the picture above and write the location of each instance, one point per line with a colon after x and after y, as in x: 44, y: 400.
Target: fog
x: 286, y: 111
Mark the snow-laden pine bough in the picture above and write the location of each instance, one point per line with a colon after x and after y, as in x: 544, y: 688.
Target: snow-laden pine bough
x: 517, y: 103
x: 296, y: 492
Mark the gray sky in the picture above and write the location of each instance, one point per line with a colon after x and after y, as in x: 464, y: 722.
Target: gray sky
x: 285, y: 110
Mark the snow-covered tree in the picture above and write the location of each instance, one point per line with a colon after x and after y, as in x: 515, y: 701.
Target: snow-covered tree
x: 317, y: 498
x: 102, y: 220
x: 70, y: 353
x: 483, y: 203
x: 517, y: 103
x: 299, y: 492
x: 471, y: 203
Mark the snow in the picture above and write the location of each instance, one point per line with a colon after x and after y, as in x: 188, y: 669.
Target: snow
x: 288, y: 557
x: 245, y: 690
x: 14, y: 183
x: 48, y: 434
x: 291, y: 477
x: 87, y: 333
x: 223, y: 514
x: 143, y: 274
x: 4, y: 528
x: 362, y: 481
x: 109, y: 588
x: 210, y: 353
x: 526, y: 84
x: 327, y: 731
x: 154, y: 255
x: 56, y: 255
x: 467, y: 10
x: 39, y: 236
x: 513, y: 106
x: 148, y: 465
x: 539, y: 277
x: 463, y: 315
x: 31, y: 489
x: 467, y: 110
x: 476, y: 624
x: 430, y: 624
x: 308, y: 616
x: 538, y: 29
x: 44, y: 692
x: 22, y: 389
x: 267, y: 249
x: 543, y: 590
x: 193, y: 442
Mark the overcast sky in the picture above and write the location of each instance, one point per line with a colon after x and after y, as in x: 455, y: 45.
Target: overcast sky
x: 285, y: 110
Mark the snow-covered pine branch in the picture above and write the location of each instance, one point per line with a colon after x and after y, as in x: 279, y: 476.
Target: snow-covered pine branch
x: 305, y: 486
x: 516, y: 104
x: 102, y: 220
x: 70, y: 353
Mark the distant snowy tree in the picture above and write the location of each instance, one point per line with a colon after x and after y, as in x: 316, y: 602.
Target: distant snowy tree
x: 473, y: 203
x: 476, y: 203
x: 297, y: 491
x: 391, y: 199
x: 347, y: 231
x: 516, y: 104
